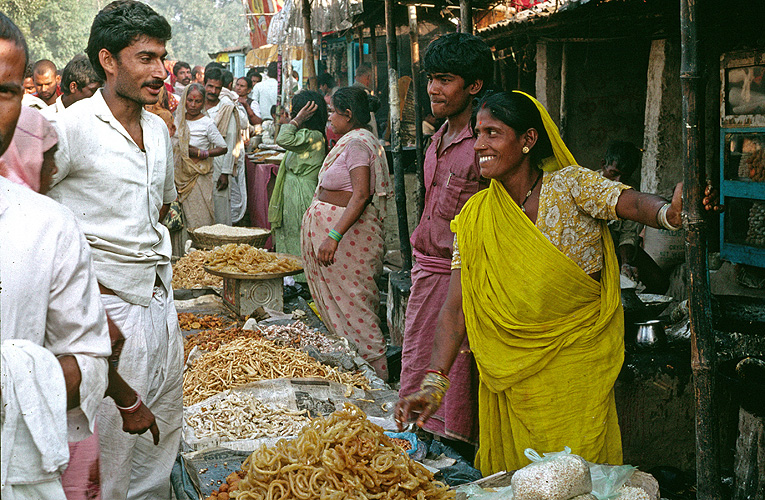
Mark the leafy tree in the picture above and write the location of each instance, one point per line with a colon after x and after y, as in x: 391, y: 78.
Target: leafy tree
x: 59, y: 29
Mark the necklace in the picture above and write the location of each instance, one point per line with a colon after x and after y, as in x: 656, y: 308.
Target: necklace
x: 523, y: 205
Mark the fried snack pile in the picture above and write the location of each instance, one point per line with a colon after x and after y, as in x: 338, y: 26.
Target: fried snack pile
x: 341, y: 457
x: 190, y: 321
x: 246, y: 360
x: 233, y: 258
x: 211, y: 340
x: 189, y: 272
x: 242, y: 416
x: 300, y: 336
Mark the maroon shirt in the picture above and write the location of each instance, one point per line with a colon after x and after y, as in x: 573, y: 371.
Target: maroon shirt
x: 450, y: 180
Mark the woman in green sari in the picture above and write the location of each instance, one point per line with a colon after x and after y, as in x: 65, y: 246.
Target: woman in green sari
x: 303, y: 138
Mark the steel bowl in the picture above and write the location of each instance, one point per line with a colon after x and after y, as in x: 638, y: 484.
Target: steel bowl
x: 650, y: 334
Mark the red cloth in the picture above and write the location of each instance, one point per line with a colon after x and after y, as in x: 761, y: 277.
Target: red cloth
x: 258, y: 177
x: 450, y: 179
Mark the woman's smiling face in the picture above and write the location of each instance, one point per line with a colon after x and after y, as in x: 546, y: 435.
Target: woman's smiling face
x: 498, y: 145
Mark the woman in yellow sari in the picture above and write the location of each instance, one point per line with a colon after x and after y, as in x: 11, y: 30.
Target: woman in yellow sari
x: 535, y: 286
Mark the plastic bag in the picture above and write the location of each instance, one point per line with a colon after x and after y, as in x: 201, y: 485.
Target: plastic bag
x: 409, y: 436
x: 475, y: 492
x: 554, y: 476
x: 608, y: 479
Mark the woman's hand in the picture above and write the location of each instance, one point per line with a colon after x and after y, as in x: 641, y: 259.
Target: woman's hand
x: 307, y: 112
x: 675, y: 211
x: 711, y: 199
x: 326, y: 255
x: 422, y: 405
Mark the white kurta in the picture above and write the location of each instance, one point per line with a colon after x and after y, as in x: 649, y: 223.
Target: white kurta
x: 224, y: 164
x: 116, y: 191
x: 49, y: 292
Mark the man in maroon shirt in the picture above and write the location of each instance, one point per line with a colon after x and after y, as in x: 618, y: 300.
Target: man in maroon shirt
x: 459, y: 66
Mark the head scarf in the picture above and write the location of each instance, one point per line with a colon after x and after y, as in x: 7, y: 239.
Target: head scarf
x: 562, y: 156
x: 23, y: 160
x: 186, y: 170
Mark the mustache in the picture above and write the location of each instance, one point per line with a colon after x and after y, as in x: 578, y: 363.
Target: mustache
x: 153, y: 83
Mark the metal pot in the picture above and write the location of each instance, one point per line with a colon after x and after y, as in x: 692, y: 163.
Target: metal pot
x: 650, y: 334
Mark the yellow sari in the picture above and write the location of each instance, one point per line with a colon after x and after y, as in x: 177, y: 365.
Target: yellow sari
x: 547, y: 338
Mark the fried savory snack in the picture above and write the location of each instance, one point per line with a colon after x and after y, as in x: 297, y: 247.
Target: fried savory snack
x: 233, y: 258
x: 189, y: 272
x: 211, y: 340
x: 246, y: 360
x: 341, y: 457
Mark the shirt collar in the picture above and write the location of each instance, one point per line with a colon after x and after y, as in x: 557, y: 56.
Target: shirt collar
x: 102, y: 111
x: 466, y: 133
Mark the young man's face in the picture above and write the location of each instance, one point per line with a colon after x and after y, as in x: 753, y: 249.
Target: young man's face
x: 212, y: 89
x: 138, y: 71
x: 46, y: 85
x: 184, y: 76
x: 11, y: 90
x: 448, y: 94
x: 29, y: 85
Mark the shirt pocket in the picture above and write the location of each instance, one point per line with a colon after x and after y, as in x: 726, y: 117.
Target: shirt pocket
x: 454, y: 194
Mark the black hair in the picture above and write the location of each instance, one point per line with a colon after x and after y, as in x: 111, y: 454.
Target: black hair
x: 626, y: 156
x: 247, y: 81
x: 121, y: 23
x: 29, y: 73
x: 319, y: 119
x: 80, y: 71
x: 43, y: 66
x: 325, y: 79
x: 214, y: 73
x: 461, y: 54
x: 228, y: 78
x: 179, y: 65
x: 195, y: 71
x: 273, y: 69
x: 253, y: 72
x: 9, y: 31
x: 273, y: 109
x: 519, y: 113
x: 358, y: 102
x: 214, y: 64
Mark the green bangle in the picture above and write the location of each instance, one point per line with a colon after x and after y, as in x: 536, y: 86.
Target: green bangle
x: 335, y: 235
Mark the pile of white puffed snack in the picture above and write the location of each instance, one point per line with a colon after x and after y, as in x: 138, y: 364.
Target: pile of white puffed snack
x: 565, y: 476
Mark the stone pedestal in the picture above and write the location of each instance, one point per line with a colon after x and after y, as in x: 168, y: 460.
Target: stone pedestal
x: 244, y: 296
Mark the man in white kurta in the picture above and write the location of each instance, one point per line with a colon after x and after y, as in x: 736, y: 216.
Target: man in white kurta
x: 50, y: 297
x: 116, y: 191
x: 223, y: 112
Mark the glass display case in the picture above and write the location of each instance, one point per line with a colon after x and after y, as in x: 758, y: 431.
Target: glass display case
x: 742, y: 157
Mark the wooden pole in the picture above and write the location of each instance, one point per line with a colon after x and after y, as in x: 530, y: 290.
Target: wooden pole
x: 373, y: 51
x: 309, y: 68
x: 360, y: 34
x: 563, y: 93
x: 466, y: 16
x: 703, y: 356
x: 395, y: 137
x: 414, y: 40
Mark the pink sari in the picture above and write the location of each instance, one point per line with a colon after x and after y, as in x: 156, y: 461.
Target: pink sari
x: 346, y: 293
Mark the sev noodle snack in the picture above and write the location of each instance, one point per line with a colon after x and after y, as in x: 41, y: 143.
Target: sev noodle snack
x: 189, y: 272
x: 246, y: 259
x: 242, y: 416
x: 341, y: 457
x: 211, y: 340
x: 246, y: 360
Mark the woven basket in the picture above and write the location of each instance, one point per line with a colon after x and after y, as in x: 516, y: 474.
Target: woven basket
x: 208, y: 241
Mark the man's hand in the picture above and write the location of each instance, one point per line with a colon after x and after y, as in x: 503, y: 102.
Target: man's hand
x: 141, y: 421
x: 222, y: 182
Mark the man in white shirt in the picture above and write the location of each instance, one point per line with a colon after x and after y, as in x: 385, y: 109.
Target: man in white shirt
x: 116, y: 174
x: 223, y: 112
x: 265, y: 93
x: 49, y: 298
x: 78, y: 81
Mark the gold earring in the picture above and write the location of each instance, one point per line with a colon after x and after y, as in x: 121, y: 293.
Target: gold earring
x: 525, y: 150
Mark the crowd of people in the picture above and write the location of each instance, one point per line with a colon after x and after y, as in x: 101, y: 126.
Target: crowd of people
x: 515, y: 290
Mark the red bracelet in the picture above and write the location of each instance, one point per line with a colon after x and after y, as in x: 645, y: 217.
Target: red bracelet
x: 132, y: 408
x: 438, y: 372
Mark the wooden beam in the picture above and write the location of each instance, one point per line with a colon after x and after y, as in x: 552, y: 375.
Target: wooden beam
x: 309, y: 67
x: 414, y: 42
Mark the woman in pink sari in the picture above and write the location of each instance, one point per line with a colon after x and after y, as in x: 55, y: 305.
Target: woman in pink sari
x: 342, y: 237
